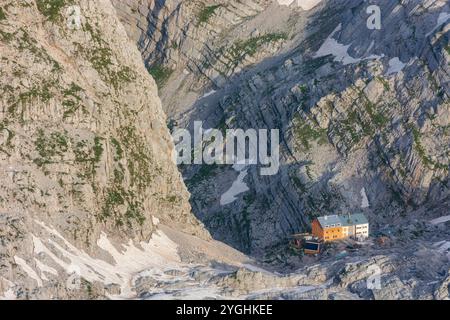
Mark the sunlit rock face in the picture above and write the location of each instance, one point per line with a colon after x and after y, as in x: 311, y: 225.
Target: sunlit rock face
x: 86, y: 157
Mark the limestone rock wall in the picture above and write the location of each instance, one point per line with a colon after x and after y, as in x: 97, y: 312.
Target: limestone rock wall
x: 85, y: 152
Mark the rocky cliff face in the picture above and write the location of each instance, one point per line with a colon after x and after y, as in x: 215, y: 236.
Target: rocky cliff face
x: 364, y: 114
x: 86, y: 157
x: 91, y: 205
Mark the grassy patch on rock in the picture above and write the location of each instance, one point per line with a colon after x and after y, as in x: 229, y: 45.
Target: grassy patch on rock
x: 2, y: 14
x: 252, y: 45
x: 51, y: 8
x: 206, y: 13
x: 305, y: 133
x: 161, y: 74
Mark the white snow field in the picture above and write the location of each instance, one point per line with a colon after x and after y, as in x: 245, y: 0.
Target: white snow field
x: 304, y: 4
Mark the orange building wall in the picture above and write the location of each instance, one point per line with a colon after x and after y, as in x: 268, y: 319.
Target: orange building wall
x: 333, y: 234
x: 330, y: 234
x: 317, y: 229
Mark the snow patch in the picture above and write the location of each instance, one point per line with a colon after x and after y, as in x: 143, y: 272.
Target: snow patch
x: 442, y: 19
x: 364, y: 201
x: 238, y: 187
x: 29, y: 270
x: 210, y: 93
x: 340, y: 51
x: 440, y: 220
x: 43, y: 268
x: 181, y: 285
x: 304, y: 4
x: 159, y: 252
x: 190, y: 294
x: 395, y: 66
x: 443, y: 247
x: 155, y: 221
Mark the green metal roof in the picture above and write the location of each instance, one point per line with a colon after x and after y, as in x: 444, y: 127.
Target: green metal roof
x: 343, y: 220
x: 353, y: 219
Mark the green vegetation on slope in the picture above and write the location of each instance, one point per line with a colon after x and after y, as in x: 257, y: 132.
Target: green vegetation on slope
x: 206, y: 13
x: 161, y: 74
x: 251, y: 46
x: 427, y: 161
x: 305, y: 133
x: 2, y: 14
x: 102, y: 59
x: 51, y: 8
